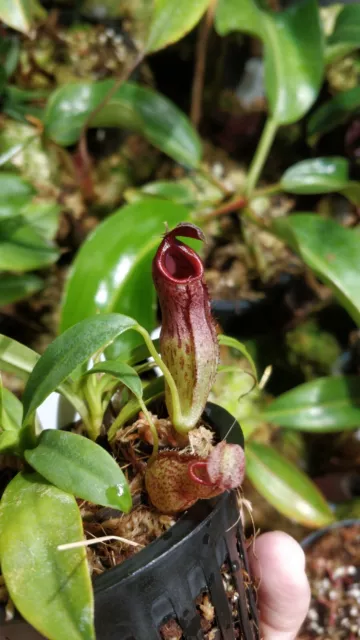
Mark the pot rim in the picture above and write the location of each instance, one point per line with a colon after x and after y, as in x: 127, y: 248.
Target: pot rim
x: 316, y: 535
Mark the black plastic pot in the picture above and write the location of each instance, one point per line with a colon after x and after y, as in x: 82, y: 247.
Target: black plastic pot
x: 163, y: 581
x: 316, y: 535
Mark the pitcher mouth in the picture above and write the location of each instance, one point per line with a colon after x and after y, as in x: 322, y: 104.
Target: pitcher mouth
x: 179, y: 263
x: 175, y: 260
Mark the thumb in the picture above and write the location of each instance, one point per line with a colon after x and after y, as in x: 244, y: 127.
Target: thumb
x: 278, y: 562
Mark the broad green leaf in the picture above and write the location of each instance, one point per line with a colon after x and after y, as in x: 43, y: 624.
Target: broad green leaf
x: 172, y: 20
x: 35, y: 518
x: 349, y: 509
x: 152, y: 391
x: 127, y: 375
x: 11, y: 411
x: 68, y: 352
x: 169, y: 190
x: 346, y: 34
x: 322, y: 405
x: 21, y: 14
x: 43, y: 217
x: 119, y: 278
x: 9, y: 441
x: 334, y: 112
x: 80, y: 467
x: 227, y: 341
x: 293, y: 51
x: 321, y: 175
x: 22, y: 248
x: 16, y: 358
x: 16, y: 287
x: 330, y: 250
x: 132, y: 107
x: 287, y: 488
x: 9, y: 54
x: 11, y: 184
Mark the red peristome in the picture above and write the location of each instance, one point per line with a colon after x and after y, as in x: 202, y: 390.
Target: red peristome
x: 226, y: 465
x: 188, y: 339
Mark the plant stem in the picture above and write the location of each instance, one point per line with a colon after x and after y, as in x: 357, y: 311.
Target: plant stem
x: 206, y: 173
x: 95, y: 407
x: 267, y: 191
x: 167, y: 375
x: 200, y: 64
x: 233, y: 205
x: 82, y: 147
x: 153, y: 430
x: 262, y: 151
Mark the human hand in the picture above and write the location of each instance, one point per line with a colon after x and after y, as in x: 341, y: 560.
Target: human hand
x: 278, y: 562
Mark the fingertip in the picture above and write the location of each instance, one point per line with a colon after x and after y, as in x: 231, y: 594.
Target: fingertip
x: 278, y: 562
x: 271, y: 546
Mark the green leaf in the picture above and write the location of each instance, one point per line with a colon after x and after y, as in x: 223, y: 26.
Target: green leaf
x: 119, y: 279
x: 287, y: 488
x: 9, y: 54
x: 334, y: 112
x: 152, y: 391
x: 22, y: 249
x: 322, y: 405
x: 79, y: 466
x: 42, y: 217
x: 346, y: 34
x: 21, y: 14
x: 171, y: 21
x: 131, y: 107
x: 293, y: 51
x: 141, y: 352
x: 348, y: 509
x: 35, y: 518
x: 127, y: 375
x: 16, y: 287
x: 169, y: 190
x: 12, y: 185
x: 11, y: 411
x: 16, y: 358
x: 68, y: 352
x: 9, y: 442
x: 226, y: 341
x: 330, y: 250
x: 321, y: 175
